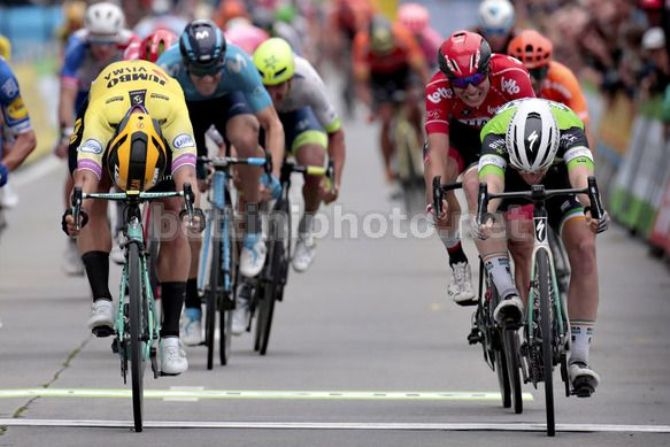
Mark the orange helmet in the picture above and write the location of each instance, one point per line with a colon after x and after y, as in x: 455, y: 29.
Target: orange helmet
x: 531, y: 48
x: 230, y: 9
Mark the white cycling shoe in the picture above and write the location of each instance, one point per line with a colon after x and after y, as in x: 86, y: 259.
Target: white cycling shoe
x: 191, y: 328
x: 117, y: 254
x: 509, y: 312
x: 253, y: 255
x: 460, y: 289
x: 305, y: 251
x: 101, y: 320
x: 173, y: 357
x: 584, y: 380
x: 9, y: 198
x: 242, y: 312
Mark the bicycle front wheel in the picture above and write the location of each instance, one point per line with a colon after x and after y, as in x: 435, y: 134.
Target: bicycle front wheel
x: 542, y: 269
x: 137, y: 321
x: 212, y: 293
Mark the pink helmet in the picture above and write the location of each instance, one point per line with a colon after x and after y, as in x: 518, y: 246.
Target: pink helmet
x: 414, y: 17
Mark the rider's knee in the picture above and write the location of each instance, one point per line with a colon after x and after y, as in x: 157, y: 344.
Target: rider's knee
x: 584, y: 256
x: 243, y: 133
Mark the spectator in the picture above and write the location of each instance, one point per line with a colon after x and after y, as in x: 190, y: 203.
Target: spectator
x: 656, y: 74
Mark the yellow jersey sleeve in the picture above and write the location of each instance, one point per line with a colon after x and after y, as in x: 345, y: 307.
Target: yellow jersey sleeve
x: 122, y: 85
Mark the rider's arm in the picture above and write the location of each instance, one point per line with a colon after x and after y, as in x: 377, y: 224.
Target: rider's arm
x: 438, y: 106
x: 492, y: 166
x: 580, y: 166
x: 361, y: 68
x: 415, y: 55
x: 23, y: 145
x: 337, y: 153
x: 274, y: 132
x: 69, y: 82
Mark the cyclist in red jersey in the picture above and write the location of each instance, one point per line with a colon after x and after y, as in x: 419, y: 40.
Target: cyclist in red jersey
x: 461, y: 97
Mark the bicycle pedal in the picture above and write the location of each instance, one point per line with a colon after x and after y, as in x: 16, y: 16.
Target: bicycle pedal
x: 582, y: 387
x: 468, y: 303
x: 102, y: 331
x: 475, y: 336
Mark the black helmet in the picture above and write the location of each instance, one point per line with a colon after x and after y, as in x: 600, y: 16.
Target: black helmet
x: 202, y: 46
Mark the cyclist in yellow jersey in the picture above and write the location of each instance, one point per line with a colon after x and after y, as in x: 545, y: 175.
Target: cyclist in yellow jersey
x: 121, y: 90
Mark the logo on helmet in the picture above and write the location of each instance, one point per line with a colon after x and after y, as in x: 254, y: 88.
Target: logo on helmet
x: 532, y: 139
x: 201, y: 35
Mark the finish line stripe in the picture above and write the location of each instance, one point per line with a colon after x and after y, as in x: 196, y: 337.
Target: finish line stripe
x: 508, y: 427
x: 181, y: 394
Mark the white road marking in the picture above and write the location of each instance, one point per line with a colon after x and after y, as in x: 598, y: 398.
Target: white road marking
x: 509, y: 427
x: 186, y: 390
x: 190, y: 393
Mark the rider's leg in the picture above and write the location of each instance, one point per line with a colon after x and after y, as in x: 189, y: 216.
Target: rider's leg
x: 384, y: 112
x: 95, y: 242
x: 311, y: 151
x: 583, y: 292
x: 520, y: 244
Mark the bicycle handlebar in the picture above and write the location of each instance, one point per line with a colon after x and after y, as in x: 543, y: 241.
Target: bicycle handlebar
x: 439, y: 190
x: 537, y: 193
x: 221, y: 163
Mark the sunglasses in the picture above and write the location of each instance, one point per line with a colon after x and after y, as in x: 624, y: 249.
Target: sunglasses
x: 539, y: 73
x: 474, y: 79
x: 201, y: 72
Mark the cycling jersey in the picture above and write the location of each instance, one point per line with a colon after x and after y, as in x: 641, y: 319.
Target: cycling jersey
x: 406, y: 53
x: 80, y: 68
x: 14, y: 111
x: 509, y: 81
x: 239, y: 74
x: 308, y: 90
x: 573, y: 146
x: 562, y: 86
x: 121, y: 85
x: 351, y: 16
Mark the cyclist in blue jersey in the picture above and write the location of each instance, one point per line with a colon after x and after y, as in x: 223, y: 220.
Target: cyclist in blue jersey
x: 223, y: 89
x: 101, y: 42
x: 14, y: 116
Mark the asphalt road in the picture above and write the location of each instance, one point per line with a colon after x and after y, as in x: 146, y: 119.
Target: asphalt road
x: 366, y: 349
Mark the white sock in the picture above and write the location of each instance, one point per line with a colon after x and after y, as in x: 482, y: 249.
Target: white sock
x: 582, y: 335
x: 306, y: 223
x: 450, y: 238
x: 499, y: 269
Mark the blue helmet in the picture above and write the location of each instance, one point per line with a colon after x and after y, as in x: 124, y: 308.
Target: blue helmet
x: 202, y: 46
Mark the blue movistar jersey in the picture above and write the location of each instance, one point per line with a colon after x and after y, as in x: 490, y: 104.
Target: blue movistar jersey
x: 239, y: 74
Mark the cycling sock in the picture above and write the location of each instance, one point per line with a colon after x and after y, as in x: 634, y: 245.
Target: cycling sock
x: 97, y: 271
x: 173, y: 294
x: 192, y: 297
x: 306, y: 223
x: 499, y: 270
x: 455, y: 251
x: 582, y: 335
x: 253, y: 219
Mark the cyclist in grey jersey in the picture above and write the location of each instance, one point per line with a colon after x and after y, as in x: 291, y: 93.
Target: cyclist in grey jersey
x: 311, y: 127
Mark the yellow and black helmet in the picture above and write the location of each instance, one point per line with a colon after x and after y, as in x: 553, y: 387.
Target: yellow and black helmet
x: 137, y: 155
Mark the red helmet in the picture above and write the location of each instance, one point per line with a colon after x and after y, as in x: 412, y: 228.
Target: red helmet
x: 155, y: 43
x: 464, y: 54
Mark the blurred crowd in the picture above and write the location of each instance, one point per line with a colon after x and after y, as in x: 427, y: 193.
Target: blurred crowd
x: 620, y: 45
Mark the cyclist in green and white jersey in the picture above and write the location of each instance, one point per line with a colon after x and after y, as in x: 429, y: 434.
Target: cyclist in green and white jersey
x: 543, y: 142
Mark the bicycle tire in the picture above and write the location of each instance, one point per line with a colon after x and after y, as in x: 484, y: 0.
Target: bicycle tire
x: 499, y: 359
x: 136, y: 320
x: 212, y: 292
x: 513, y: 364
x: 259, y: 293
x: 542, y: 266
x: 271, y: 291
x: 225, y: 310
x: 407, y: 144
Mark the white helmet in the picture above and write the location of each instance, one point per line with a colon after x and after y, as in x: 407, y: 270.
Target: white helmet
x: 532, y: 136
x: 104, y: 22
x: 496, y: 16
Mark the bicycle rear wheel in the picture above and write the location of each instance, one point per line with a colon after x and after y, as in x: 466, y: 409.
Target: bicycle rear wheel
x: 137, y: 321
x: 497, y: 346
x: 542, y: 269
